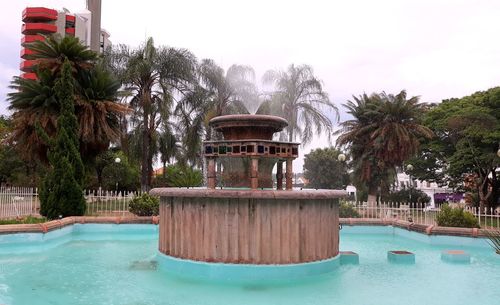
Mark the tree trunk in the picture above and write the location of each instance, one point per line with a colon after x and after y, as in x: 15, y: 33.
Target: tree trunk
x: 150, y: 161
x: 98, y: 171
x: 372, y: 200
x: 485, y: 192
x: 372, y: 196
x: 145, y: 150
x: 124, y: 135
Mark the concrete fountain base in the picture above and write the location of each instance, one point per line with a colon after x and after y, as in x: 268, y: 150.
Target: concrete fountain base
x: 249, y: 226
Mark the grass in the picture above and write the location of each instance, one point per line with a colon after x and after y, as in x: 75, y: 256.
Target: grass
x: 24, y: 220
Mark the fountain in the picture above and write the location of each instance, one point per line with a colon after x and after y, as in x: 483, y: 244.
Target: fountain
x: 249, y: 231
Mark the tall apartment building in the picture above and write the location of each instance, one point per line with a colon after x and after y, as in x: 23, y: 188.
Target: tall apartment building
x: 85, y: 25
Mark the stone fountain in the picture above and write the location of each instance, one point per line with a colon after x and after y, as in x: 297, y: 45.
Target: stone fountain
x: 249, y: 231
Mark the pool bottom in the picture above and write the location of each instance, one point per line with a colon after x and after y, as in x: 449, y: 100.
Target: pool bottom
x: 116, y: 265
x: 244, y: 273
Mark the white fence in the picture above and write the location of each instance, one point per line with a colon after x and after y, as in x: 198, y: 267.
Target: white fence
x: 23, y: 201
x: 108, y: 203
x: 18, y: 201
x: 420, y: 213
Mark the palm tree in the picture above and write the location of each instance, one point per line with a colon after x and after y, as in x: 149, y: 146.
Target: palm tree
x: 50, y: 53
x: 298, y: 96
x: 34, y: 101
x: 153, y: 75
x: 167, y: 147
x: 385, y: 132
x: 190, y: 113
x: 226, y: 93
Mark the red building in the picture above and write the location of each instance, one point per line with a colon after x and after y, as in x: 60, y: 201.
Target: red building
x: 38, y: 21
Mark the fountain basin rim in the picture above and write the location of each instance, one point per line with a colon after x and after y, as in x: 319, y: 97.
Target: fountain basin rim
x: 245, y: 273
x: 251, y: 119
x: 257, y: 194
x: 249, y: 140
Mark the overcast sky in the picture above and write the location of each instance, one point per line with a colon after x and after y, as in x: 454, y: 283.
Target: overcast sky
x: 435, y: 49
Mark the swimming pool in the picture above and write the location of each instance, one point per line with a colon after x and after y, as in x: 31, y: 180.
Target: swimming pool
x: 117, y: 264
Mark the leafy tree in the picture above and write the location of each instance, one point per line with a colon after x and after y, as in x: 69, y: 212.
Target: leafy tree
x: 124, y: 175
x: 10, y: 163
x: 384, y: 133
x: 153, y: 75
x: 34, y: 101
x: 323, y: 169
x: 407, y: 195
x: 466, y: 143
x: 298, y: 97
x: 61, y: 192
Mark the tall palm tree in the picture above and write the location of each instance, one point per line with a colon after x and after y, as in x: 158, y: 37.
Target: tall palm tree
x: 49, y: 54
x: 385, y: 132
x: 298, y: 96
x: 33, y: 101
x: 167, y: 147
x: 190, y: 113
x: 228, y: 92
x: 154, y: 75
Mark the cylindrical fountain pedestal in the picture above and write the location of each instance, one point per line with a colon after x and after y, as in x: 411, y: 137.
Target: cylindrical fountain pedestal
x: 203, y: 227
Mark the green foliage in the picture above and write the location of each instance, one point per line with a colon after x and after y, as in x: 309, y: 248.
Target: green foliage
x: 456, y: 217
x: 153, y: 76
x: 386, y: 131
x: 125, y: 173
x: 35, y: 102
x: 494, y: 237
x: 11, y: 165
x: 25, y: 220
x: 323, y: 169
x: 407, y: 195
x: 299, y: 98
x: 180, y: 176
x: 347, y: 211
x: 467, y: 137
x: 61, y: 192
x: 144, y: 205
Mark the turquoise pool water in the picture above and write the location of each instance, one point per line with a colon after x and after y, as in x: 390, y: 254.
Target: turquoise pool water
x: 115, y: 264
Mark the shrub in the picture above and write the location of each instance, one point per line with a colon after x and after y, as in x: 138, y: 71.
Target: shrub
x: 410, y: 195
x: 179, y: 176
x: 347, y: 211
x: 456, y: 217
x: 144, y: 205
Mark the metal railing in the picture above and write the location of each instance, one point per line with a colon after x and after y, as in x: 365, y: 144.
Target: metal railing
x: 419, y: 213
x: 108, y: 203
x: 24, y: 201
x: 18, y: 201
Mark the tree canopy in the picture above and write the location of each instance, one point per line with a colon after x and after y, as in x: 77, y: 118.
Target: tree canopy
x: 385, y: 131
x: 323, y: 169
x: 467, y: 139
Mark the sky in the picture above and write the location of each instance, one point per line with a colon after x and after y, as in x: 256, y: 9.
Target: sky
x: 434, y: 49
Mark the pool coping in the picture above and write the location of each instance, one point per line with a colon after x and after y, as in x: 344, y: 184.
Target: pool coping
x: 415, y: 227
x: 67, y: 221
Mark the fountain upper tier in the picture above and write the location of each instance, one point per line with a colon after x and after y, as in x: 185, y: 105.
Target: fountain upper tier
x: 248, y: 126
x: 248, y: 153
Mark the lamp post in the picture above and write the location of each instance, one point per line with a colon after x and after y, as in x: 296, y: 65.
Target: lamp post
x: 117, y: 161
x: 341, y: 158
x: 409, y: 168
